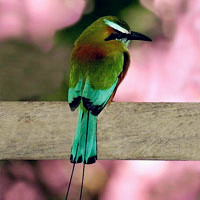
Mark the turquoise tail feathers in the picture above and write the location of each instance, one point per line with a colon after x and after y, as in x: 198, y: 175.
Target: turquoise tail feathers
x: 85, y: 137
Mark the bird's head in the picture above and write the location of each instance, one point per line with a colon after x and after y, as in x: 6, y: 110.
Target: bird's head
x: 110, y: 29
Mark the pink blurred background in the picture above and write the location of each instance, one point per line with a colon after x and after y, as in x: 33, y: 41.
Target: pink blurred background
x: 168, y: 69
x: 37, y: 20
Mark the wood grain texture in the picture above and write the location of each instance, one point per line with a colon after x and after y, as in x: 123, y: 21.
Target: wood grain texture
x: 44, y: 130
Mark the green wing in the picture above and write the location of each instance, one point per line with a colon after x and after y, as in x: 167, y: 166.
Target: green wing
x: 95, y: 100
x: 74, y: 95
x: 94, y: 83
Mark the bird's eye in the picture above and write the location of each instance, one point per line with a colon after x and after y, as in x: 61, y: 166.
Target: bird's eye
x: 112, y: 36
x: 116, y: 35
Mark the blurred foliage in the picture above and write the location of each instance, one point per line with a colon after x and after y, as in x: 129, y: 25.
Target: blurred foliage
x: 142, y: 20
x: 101, y: 8
x: 28, y: 73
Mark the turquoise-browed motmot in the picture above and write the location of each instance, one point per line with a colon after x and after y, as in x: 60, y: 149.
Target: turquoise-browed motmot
x: 99, y: 62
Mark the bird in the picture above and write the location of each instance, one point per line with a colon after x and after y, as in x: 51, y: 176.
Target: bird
x: 99, y: 62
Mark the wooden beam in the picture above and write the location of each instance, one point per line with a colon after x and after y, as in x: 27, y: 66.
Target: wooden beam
x: 44, y: 130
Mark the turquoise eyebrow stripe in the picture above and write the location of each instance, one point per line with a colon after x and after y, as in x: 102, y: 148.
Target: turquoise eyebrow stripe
x: 115, y: 26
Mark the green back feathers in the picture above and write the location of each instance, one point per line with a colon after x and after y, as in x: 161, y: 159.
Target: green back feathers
x: 95, y: 60
x: 93, y: 57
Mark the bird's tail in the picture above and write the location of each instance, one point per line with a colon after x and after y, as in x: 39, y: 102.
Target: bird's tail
x: 84, y: 148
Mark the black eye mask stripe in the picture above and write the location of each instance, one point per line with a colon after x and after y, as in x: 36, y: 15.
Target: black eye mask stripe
x: 116, y: 35
x: 129, y: 36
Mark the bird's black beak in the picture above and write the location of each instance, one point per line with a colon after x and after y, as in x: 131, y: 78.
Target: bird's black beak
x: 137, y: 36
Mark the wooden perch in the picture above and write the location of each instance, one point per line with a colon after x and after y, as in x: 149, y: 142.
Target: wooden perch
x: 45, y: 130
